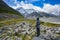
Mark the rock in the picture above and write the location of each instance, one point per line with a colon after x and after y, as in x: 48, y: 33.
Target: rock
x: 16, y: 30
x: 1, y: 31
x: 37, y: 38
x: 17, y: 38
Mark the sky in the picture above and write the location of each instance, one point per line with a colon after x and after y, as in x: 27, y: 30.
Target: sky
x: 49, y: 6
x: 39, y: 3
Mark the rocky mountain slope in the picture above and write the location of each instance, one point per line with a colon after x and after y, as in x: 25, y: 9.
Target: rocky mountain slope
x: 34, y: 13
x: 40, y: 14
x: 6, y: 12
x: 25, y: 12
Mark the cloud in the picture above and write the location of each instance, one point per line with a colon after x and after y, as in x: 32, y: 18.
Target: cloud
x: 52, y: 9
x: 26, y: 6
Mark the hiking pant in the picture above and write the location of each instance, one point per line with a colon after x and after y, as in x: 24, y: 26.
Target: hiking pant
x: 38, y: 31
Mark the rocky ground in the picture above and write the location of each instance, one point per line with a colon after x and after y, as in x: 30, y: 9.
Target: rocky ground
x: 25, y: 31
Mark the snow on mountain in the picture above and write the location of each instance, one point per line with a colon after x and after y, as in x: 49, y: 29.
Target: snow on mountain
x: 40, y: 14
x: 25, y: 8
x: 21, y: 10
x: 25, y: 12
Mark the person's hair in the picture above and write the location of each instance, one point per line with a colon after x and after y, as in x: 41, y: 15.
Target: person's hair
x: 37, y: 18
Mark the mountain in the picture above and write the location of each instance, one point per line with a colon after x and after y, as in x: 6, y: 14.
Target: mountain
x: 8, y: 12
x: 40, y: 14
x: 22, y: 11
x: 25, y: 12
x: 34, y: 13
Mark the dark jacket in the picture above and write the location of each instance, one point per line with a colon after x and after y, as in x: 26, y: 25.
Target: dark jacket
x: 38, y: 24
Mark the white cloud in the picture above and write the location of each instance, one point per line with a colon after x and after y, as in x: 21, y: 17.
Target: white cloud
x: 53, y: 9
x: 26, y: 6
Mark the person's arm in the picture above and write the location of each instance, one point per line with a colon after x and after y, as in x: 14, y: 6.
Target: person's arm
x: 36, y: 23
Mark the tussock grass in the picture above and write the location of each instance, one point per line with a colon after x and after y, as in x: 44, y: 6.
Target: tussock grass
x: 32, y: 22
x: 50, y: 24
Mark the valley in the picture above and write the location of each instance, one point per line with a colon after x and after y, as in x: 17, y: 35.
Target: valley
x: 55, y: 20
x: 20, y: 24
x: 25, y: 30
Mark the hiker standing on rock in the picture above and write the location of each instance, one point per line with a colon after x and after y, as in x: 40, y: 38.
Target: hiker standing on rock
x: 38, y: 27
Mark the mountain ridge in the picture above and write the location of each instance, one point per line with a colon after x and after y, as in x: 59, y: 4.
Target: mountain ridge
x: 40, y: 14
x: 7, y: 12
x: 29, y: 12
x: 5, y: 8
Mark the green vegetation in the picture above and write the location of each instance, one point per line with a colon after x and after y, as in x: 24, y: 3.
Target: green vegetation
x: 58, y: 33
x: 4, y: 8
x: 8, y: 11
x: 10, y: 22
x: 33, y: 22
x: 50, y: 24
x: 15, y: 21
